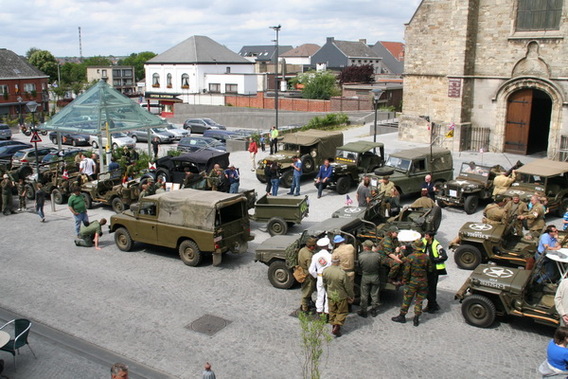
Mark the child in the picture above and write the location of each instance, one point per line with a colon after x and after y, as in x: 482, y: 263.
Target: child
x: 40, y: 201
x: 22, y: 194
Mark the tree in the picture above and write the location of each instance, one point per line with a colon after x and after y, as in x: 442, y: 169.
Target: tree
x: 357, y: 74
x: 30, y: 51
x: 137, y: 60
x: 318, y: 85
x: 314, y: 341
x: 97, y: 61
x: 73, y: 73
x: 45, y: 62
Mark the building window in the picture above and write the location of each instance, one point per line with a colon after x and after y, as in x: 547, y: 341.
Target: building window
x: 116, y: 82
x: 29, y: 87
x: 127, y: 73
x: 185, y: 81
x: 169, y: 80
x: 227, y: 70
x: 104, y: 74
x: 4, y: 89
x: 539, y: 15
x: 214, y: 87
x: 116, y: 73
x: 156, y: 80
x: 231, y: 88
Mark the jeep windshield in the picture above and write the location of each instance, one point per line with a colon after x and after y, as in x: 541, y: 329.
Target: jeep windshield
x: 399, y: 164
x: 531, y: 181
x: 346, y: 156
x: 474, y: 172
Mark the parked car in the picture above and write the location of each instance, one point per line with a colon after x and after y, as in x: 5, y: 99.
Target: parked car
x: 221, y: 135
x: 199, y: 125
x: 142, y: 135
x: 27, y: 156
x: 354, y: 159
x: 5, y: 132
x: 69, y: 138
x: 118, y: 140
x: 172, y: 169
x: 11, y: 142
x: 178, y: 133
x: 57, y: 160
x: 6, y: 152
x: 200, y: 143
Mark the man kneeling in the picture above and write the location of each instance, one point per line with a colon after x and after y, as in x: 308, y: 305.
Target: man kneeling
x: 91, y: 233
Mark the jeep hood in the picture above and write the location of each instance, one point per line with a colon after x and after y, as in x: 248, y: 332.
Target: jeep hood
x: 498, y: 278
x: 278, y: 243
x: 479, y: 231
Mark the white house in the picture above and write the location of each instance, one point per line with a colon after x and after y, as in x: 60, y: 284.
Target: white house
x: 198, y: 70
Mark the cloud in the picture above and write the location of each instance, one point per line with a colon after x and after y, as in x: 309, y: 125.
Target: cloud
x: 120, y: 27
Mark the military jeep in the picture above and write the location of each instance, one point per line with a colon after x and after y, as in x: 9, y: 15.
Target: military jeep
x: 108, y: 190
x: 544, y: 176
x: 408, y: 168
x: 474, y: 183
x: 492, y: 291
x: 354, y: 159
x: 187, y: 221
x: 311, y: 146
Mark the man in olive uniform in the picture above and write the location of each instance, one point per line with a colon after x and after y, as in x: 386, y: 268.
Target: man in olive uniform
x: 389, y: 193
x: 90, y: 234
x: 389, y: 249
x: 534, y: 217
x: 424, y: 201
x: 144, y: 192
x: 214, y: 178
x: 7, y: 200
x: 309, y: 285
x: 339, y: 293
x: 346, y: 254
x: 514, y: 209
x: 437, y: 256
x: 370, y: 264
x: 415, y: 277
x: 502, y: 182
x: 151, y: 187
x: 495, y: 213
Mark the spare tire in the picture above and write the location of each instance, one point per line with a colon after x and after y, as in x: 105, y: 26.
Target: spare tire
x: 384, y: 171
x: 308, y: 164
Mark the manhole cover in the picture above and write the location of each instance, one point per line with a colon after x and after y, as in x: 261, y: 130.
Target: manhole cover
x: 208, y: 324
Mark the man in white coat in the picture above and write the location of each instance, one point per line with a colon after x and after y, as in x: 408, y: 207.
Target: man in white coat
x: 320, y: 261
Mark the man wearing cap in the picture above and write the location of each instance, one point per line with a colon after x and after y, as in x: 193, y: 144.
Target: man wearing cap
x: 346, y: 253
x: 232, y: 175
x: 151, y: 187
x: 424, y: 201
x: 502, y: 182
x: 437, y: 256
x: 309, y: 285
x: 495, y: 213
x: 389, y: 193
x: 369, y: 264
x: 320, y: 261
x: 415, y: 277
x: 339, y: 293
x: 515, y: 208
x: 389, y: 249
x: 7, y: 200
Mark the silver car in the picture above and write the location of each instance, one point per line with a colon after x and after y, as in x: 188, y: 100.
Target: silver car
x: 118, y: 140
x: 179, y: 133
x: 162, y: 134
x: 5, y: 132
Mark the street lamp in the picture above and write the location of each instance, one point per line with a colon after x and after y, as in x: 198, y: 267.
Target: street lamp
x: 276, y: 29
x: 376, y: 97
x: 32, y: 107
x: 21, y: 115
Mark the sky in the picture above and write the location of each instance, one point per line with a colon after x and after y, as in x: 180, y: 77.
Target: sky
x: 121, y: 27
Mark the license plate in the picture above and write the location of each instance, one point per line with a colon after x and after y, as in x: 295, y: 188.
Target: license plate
x: 453, y: 193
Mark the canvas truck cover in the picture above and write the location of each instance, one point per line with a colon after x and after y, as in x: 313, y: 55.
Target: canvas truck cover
x: 327, y: 140
x: 193, y: 208
x: 360, y: 146
x: 544, y: 167
x: 441, y: 158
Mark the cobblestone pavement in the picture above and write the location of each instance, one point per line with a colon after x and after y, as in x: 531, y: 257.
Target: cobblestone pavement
x: 139, y: 304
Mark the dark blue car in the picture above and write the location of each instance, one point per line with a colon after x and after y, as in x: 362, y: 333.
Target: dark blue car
x: 69, y: 138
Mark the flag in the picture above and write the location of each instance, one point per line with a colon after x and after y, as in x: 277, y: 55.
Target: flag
x: 65, y: 175
x: 348, y: 200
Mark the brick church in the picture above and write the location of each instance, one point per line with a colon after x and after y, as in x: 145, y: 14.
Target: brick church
x: 489, y: 74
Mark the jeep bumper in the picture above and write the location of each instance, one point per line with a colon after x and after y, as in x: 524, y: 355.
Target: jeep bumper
x: 449, y: 200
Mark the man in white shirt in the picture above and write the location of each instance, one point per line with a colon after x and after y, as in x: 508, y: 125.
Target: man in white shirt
x: 320, y: 261
x: 87, y: 167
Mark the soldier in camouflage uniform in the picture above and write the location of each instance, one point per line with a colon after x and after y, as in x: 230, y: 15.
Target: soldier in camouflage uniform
x: 415, y: 277
x: 390, y: 250
x: 22, y: 194
x: 309, y: 285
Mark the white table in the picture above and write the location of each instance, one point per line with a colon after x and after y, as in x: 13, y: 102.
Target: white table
x: 4, y: 338
x: 407, y: 235
x: 560, y: 256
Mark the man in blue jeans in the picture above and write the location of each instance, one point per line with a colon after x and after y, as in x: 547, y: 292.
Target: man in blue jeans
x: 78, y: 207
x: 232, y: 174
x: 297, y: 167
x: 323, y: 177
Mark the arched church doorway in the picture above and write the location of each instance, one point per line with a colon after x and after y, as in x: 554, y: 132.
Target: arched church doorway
x: 528, y: 122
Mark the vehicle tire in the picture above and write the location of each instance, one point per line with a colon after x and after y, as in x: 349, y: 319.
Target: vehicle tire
x: 277, y: 226
x: 118, y: 205
x: 441, y: 204
x: 95, y: 145
x: 438, y: 184
x: 122, y: 239
x: 478, y: 310
x: 30, y: 191
x: 261, y: 179
x: 25, y: 171
x: 240, y: 247
x: 470, y: 204
x: 88, y: 200
x: 58, y: 197
x: 164, y: 174
x: 135, y: 138
x: 189, y: 253
x: 343, y: 185
x: 280, y: 276
x: 308, y: 164
x: 54, y: 140
x: 433, y: 220
x: 467, y: 257
x: 114, y: 146
x: 286, y: 179
x: 43, y: 132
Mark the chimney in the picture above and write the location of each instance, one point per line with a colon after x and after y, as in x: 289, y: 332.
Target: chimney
x: 330, y: 39
x: 363, y: 40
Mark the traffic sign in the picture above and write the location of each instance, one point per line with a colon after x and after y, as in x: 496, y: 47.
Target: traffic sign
x: 35, y: 138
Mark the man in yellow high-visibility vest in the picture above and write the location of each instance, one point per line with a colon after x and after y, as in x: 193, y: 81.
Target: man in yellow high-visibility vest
x: 437, y: 256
